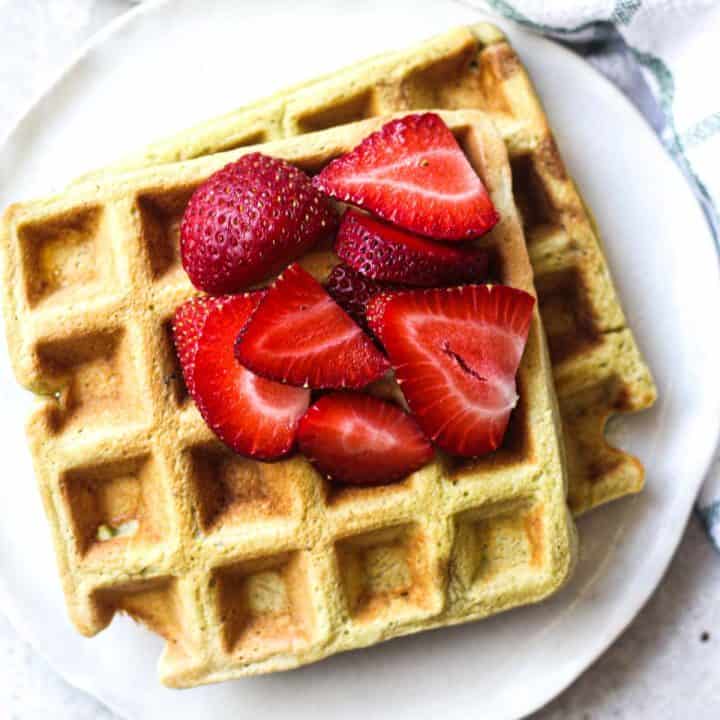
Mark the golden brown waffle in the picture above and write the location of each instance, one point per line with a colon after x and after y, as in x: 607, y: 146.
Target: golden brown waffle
x: 598, y: 368
x: 247, y: 567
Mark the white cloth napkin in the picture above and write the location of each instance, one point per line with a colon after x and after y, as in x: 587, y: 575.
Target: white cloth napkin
x: 665, y: 55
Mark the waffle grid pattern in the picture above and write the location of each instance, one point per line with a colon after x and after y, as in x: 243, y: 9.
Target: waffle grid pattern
x: 598, y: 368
x: 248, y: 567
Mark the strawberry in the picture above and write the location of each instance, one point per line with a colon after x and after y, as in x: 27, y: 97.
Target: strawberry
x: 413, y: 173
x: 248, y: 221
x: 253, y: 416
x: 352, y: 292
x: 300, y: 336
x: 187, y: 323
x: 455, y: 352
x: 388, y: 254
x: 359, y: 439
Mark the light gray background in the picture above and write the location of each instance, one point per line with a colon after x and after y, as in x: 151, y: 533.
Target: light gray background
x: 665, y: 666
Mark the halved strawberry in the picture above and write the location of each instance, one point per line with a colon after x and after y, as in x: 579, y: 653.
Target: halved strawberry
x: 388, y: 254
x: 413, y: 173
x: 352, y: 292
x: 253, y: 416
x: 456, y: 352
x: 187, y: 323
x: 359, y: 439
x: 300, y: 336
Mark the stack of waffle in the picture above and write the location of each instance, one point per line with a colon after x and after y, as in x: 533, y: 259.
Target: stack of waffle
x: 248, y: 567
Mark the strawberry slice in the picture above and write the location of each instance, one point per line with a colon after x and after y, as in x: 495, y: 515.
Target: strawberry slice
x: 253, y: 416
x: 385, y: 253
x: 413, y: 173
x: 359, y: 439
x: 300, y: 336
x: 456, y: 352
x: 188, y: 321
x: 352, y: 292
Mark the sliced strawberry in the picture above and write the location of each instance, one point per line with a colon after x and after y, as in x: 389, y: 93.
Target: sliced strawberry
x: 359, y: 439
x: 300, y: 336
x: 352, y: 292
x: 413, y: 173
x: 385, y: 253
x: 456, y: 352
x: 253, y: 416
x: 188, y: 321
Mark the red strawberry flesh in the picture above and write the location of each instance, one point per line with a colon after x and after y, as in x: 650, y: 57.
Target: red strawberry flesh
x: 301, y: 336
x: 388, y: 254
x: 413, y: 173
x: 248, y: 221
x: 361, y: 440
x: 456, y: 352
x: 253, y: 416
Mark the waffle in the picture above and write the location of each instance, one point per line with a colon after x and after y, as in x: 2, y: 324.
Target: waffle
x: 598, y: 368
x: 248, y: 567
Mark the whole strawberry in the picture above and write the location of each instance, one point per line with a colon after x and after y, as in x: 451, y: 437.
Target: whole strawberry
x: 248, y: 221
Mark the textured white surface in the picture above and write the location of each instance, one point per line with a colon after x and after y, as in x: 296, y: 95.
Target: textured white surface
x: 659, y: 669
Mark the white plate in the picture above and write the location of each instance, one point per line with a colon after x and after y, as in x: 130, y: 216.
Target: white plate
x: 171, y: 64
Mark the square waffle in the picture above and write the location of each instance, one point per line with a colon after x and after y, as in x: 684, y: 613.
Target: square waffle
x: 597, y: 365
x: 247, y: 567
